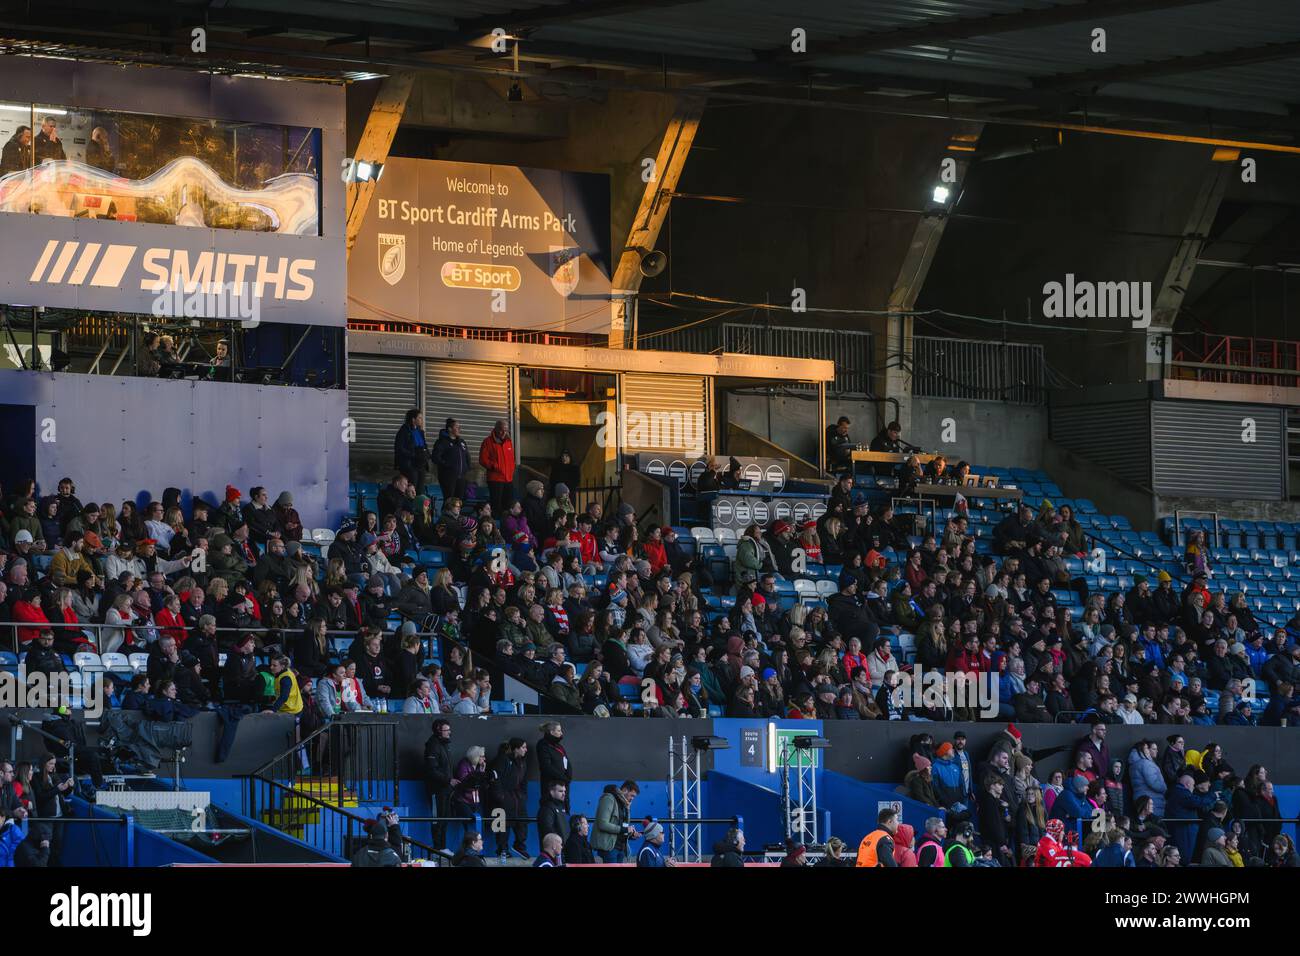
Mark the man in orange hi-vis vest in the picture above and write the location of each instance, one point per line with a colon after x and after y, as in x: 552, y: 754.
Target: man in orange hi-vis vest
x: 877, y: 847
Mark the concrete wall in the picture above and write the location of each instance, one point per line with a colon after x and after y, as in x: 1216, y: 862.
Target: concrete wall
x: 1080, y: 478
x: 987, y: 433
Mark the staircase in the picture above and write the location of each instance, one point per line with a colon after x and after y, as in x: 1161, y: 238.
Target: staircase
x: 326, y: 808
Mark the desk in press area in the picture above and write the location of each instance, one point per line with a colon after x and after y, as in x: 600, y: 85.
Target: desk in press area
x: 948, y: 493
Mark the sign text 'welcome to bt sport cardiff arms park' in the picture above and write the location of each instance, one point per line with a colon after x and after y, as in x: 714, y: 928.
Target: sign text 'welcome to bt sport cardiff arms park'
x: 491, y: 246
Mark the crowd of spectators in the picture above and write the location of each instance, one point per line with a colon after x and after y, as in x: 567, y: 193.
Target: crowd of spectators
x: 1159, y: 804
x: 365, y: 626
x: 235, y: 608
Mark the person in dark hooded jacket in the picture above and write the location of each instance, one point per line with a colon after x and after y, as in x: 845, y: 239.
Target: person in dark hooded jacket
x: 577, y: 848
x: 376, y: 851
x: 451, y: 459
x: 726, y: 852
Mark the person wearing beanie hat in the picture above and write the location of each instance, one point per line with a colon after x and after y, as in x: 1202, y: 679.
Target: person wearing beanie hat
x: 1215, y: 852
x: 651, y: 854
x: 796, y: 854
x: 919, y: 782
x: 377, y: 851
x: 287, y: 517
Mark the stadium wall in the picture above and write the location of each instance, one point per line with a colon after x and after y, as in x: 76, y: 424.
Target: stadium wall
x: 129, y: 438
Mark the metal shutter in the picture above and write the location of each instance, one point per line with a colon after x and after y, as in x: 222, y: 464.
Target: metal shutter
x: 676, y: 409
x: 474, y: 395
x: 380, y: 392
x: 1197, y: 450
x: 1114, y: 435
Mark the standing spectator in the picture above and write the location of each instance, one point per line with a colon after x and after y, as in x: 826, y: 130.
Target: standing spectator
x: 551, y: 815
x: 410, y: 452
x: 438, y: 776
x: 451, y: 458
x: 507, y: 792
x: 613, y: 821
x: 497, y: 456
x: 552, y: 759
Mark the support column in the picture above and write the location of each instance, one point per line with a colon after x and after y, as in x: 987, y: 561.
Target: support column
x: 1178, y: 276
x: 649, y: 219
x: 896, y: 355
x: 376, y: 139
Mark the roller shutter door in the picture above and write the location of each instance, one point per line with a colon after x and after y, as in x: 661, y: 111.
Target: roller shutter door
x: 380, y: 392
x: 1198, y: 451
x: 474, y: 395
x: 675, y: 410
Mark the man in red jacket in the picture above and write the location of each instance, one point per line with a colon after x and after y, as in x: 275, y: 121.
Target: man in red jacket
x: 497, y: 456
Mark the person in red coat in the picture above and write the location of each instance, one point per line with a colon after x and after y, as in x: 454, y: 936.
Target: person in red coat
x: 497, y: 456
x: 653, y: 549
x: 169, y: 620
x: 27, y: 610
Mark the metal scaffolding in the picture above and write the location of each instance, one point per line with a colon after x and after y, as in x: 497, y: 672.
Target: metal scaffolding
x: 685, y: 833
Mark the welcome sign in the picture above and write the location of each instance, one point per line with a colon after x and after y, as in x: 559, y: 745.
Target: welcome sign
x: 493, y: 246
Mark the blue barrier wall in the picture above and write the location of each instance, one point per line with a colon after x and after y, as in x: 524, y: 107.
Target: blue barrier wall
x: 129, y: 438
x: 110, y: 844
x: 853, y: 806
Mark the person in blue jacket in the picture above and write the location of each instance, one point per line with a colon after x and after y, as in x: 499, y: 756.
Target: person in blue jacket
x: 410, y: 451
x: 1117, y: 850
x: 1071, y: 805
x: 946, y: 777
x: 1145, y: 775
x: 13, y: 831
x: 651, y: 854
x: 1189, y: 800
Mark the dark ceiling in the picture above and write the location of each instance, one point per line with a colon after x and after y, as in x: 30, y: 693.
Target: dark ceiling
x: 1191, y: 65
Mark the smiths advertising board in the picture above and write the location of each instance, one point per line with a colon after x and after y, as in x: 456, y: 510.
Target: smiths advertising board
x: 493, y: 246
x: 121, y: 267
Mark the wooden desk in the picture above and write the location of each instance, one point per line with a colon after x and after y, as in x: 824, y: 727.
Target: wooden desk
x: 951, y: 491
x: 889, y: 457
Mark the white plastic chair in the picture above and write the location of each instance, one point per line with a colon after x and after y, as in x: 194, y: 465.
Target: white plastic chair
x: 323, y: 536
x: 703, y: 535
x: 139, y: 662
x: 115, y: 662
x: 826, y: 587
x: 725, y: 536
x: 806, y: 590
x: 84, y: 659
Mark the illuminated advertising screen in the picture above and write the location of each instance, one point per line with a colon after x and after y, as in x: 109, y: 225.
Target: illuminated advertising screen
x: 489, y: 246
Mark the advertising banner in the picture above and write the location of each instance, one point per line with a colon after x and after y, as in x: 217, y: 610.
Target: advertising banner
x: 739, y: 511
x: 493, y: 246
x: 764, y: 475
x: 137, y: 267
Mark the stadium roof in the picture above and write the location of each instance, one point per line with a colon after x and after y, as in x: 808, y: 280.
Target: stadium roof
x: 1191, y: 63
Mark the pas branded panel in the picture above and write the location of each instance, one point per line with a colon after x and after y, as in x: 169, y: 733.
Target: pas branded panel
x: 663, y: 413
x: 380, y: 392
x: 1198, y: 449
x: 474, y: 395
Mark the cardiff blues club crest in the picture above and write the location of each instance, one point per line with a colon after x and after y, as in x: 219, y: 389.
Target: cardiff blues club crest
x: 564, y: 269
x: 392, y: 257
